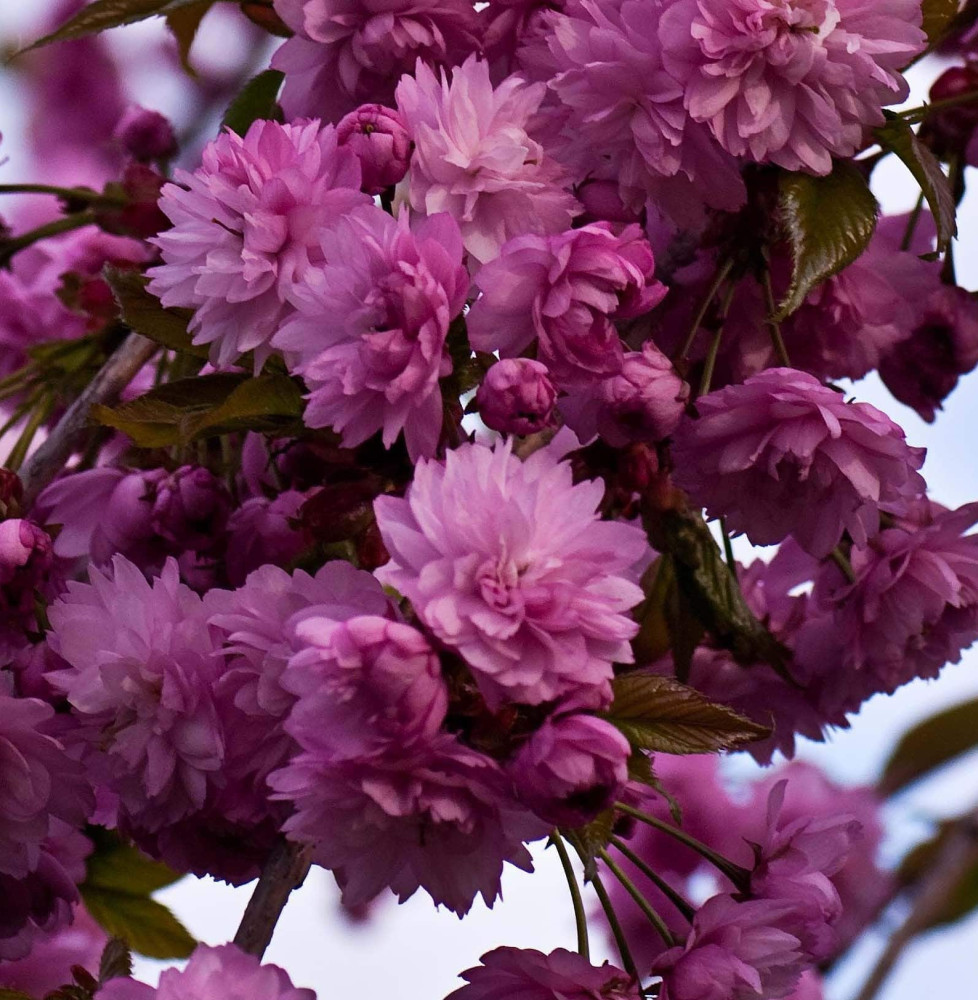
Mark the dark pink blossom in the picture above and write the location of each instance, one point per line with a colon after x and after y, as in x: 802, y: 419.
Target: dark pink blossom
x: 506, y: 562
x: 246, y: 227
x: 571, y: 768
x: 190, y: 508
x: 350, y: 52
x: 145, y: 134
x: 565, y: 291
x: 527, y: 974
x: 369, y: 339
x: 262, y: 531
x: 475, y: 160
x: 26, y: 571
x: 517, y: 397
x: 438, y: 816
x: 791, y: 82
x: 783, y: 454
x: 380, y: 139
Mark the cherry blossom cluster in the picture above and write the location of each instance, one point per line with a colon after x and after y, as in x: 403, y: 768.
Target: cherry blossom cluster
x: 394, y: 550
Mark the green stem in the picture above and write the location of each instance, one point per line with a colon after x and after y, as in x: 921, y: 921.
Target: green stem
x: 84, y: 195
x: 677, y: 899
x: 580, y: 917
x: 12, y: 246
x: 919, y: 113
x: 728, y: 548
x: 912, y: 223
x: 839, y: 558
x: 718, y: 279
x: 643, y: 904
x: 738, y: 875
x: 19, y: 451
x: 619, y: 935
x: 775, y: 328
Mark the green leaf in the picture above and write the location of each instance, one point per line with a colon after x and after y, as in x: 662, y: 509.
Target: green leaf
x: 183, y: 25
x: 118, y: 882
x: 144, y: 313
x: 660, y: 714
x: 938, y: 15
x: 116, y: 961
x: 104, y: 14
x: 640, y: 770
x: 710, y: 591
x: 268, y: 403
x: 147, y: 926
x: 257, y: 100
x: 962, y: 899
x: 6, y: 994
x: 898, y: 137
x: 828, y: 222
x: 927, y: 746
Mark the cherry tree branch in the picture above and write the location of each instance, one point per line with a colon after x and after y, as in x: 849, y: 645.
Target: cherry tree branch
x: 285, y: 870
x: 117, y: 372
x: 958, y: 856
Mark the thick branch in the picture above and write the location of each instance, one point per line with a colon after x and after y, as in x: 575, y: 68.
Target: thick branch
x: 957, y: 857
x: 115, y: 375
x: 285, y: 870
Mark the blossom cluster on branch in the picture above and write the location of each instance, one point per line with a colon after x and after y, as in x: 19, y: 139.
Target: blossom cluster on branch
x: 468, y: 341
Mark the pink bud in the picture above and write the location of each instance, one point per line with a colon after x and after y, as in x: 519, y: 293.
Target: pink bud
x: 517, y: 397
x: 145, y: 135
x: 380, y: 140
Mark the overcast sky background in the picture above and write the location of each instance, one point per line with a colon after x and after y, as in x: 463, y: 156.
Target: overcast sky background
x: 414, y: 952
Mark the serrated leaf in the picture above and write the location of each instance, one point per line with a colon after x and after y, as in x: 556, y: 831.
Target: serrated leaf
x: 104, y: 14
x: 268, y: 403
x: 147, y: 926
x: 898, y: 137
x: 828, y: 222
x: 710, y: 590
x: 143, y: 312
x: 660, y: 714
x: 257, y: 100
x: 932, y: 743
x: 116, y: 961
x: 116, y: 865
x: 937, y: 17
x: 183, y: 25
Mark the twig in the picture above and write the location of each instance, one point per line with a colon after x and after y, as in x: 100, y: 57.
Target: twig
x: 958, y: 856
x: 285, y: 870
x: 115, y: 375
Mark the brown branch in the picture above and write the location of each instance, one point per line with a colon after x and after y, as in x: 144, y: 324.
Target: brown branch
x: 285, y: 870
x: 114, y: 376
x: 955, y: 859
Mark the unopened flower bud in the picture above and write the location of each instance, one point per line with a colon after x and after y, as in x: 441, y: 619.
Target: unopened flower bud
x: 191, y: 508
x: 517, y: 397
x: 381, y: 142
x: 145, y: 135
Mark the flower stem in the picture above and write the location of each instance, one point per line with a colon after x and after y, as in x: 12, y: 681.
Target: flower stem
x: 84, y: 195
x: 912, y: 223
x: 619, y: 935
x: 841, y: 560
x: 711, y: 358
x: 285, y: 870
x: 718, y: 279
x: 738, y: 875
x: 43, y: 410
x: 12, y: 246
x: 772, y: 324
x: 580, y: 917
x: 643, y: 904
x: 677, y: 899
x: 728, y: 547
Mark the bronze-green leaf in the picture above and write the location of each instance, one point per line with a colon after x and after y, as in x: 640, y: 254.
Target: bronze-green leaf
x: 6, y: 994
x: 268, y: 403
x: 938, y: 15
x: 257, y: 100
x: 116, y: 961
x: 660, y: 714
x: 183, y: 24
x: 104, y: 14
x: 933, y: 742
x: 828, y: 222
x: 959, y: 900
x: 147, y: 926
x: 898, y: 137
x: 144, y: 313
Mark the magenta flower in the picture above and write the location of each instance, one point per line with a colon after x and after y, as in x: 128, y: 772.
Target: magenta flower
x: 190, y: 508
x: 140, y: 671
x: 794, y: 863
x: 643, y: 402
x: 571, y: 768
x: 222, y: 973
x: 782, y: 454
x: 145, y: 134
x: 506, y: 562
x: 735, y: 951
x: 365, y: 683
x: 369, y: 339
x: 531, y: 975
x: 517, y: 397
x: 565, y: 291
x: 246, y: 227
x: 474, y: 159
x: 618, y: 114
x: 438, y: 816
x: 923, y: 369
x: 381, y: 142
x: 793, y: 83
x: 26, y: 569
x: 351, y: 52
x: 261, y: 531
